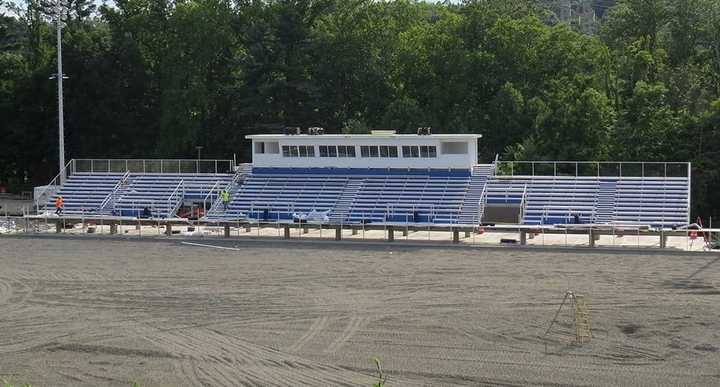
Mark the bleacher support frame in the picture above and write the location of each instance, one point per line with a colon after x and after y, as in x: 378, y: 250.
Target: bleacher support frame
x: 593, y: 232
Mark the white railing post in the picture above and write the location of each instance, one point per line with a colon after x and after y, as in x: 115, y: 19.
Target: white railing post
x: 689, y: 190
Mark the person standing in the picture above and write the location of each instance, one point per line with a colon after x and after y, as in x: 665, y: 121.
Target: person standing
x: 59, y: 205
x: 225, y: 198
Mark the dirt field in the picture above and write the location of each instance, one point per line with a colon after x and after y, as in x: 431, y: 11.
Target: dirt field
x: 89, y: 312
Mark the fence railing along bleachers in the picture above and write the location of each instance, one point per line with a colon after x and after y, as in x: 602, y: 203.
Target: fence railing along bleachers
x: 593, y: 168
x: 165, y: 166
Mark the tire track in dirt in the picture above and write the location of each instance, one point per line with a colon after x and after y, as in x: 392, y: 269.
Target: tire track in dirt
x: 207, y: 362
x: 14, y: 293
x: 315, y: 328
x: 355, y: 323
x: 6, y: 291
x: 209, y: 357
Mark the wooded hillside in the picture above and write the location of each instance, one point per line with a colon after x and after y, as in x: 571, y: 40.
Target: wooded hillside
x: 155, y: 78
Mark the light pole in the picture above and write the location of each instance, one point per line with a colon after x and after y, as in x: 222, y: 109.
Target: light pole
x: 199, y: 148
x: 60, y: 76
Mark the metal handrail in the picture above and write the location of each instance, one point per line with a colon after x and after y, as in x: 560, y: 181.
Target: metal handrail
x: 176, y: 206
x: 523, y: 204
x: 52, y: 183
x: 238, y: 174
x: 481, y: 203
x: 210, y: 192
x: 112, y: 193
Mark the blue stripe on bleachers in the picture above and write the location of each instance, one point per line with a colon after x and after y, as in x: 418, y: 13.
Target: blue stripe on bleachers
x: 362, y: 171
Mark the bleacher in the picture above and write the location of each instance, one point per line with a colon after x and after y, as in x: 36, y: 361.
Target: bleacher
x: 276, y: 197
x: 162, y: 193
x: 349, y: 196
x: 409, y: 199
x: 129, y: 194
x: 382, y: 196
x: 655, y: 201
x: 84, y: 193
x: 605, y: 200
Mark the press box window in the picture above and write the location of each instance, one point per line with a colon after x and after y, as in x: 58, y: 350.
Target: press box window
x: 298, y: 151
x: 346, y: 151
x: 259, y: 147
x: 269, y: 147
x: 414, y: 151
x: 410, y: 151
x: 388, y: 151
x: 364, y: 151
x: 454, y: 148
x: 328, y: 151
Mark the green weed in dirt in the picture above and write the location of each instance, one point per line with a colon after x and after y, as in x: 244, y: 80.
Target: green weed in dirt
x: 6, y: 383
x: 382, y: 378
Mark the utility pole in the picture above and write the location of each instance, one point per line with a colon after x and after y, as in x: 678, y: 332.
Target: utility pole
x: 60, y: 76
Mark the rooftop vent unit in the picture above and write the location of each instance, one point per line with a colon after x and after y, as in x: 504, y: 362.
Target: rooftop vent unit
x: 382, y: 132
x: 291, y: 130
x: 316, y: 131
x: 424, y: 131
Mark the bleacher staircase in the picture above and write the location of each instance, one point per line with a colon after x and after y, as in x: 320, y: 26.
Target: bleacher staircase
x: 605, y: 203
x: 470, y: 212
x: 108, y: 205
x: 341, y: 211
x: 216, y: 209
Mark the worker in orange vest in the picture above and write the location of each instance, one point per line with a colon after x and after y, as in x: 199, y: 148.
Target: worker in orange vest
x: 59, y: 204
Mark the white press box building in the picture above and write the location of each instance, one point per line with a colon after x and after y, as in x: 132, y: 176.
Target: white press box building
x: 380, y: 150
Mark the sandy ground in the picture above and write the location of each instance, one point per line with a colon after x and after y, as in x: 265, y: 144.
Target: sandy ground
x: 112, y: 311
